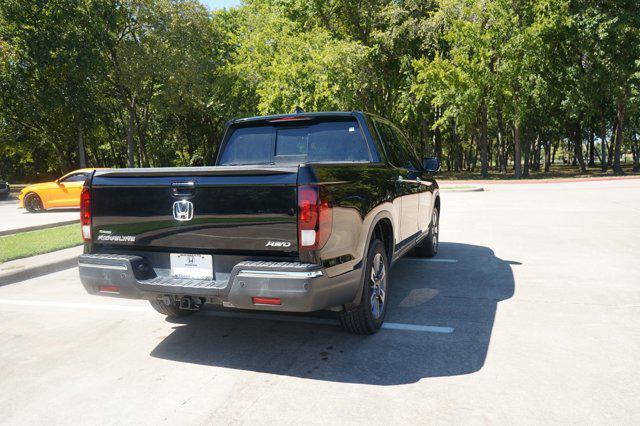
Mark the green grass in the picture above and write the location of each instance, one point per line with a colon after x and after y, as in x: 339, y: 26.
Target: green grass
x: 27, y: 244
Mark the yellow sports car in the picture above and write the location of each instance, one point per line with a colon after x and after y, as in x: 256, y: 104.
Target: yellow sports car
x: 64, y: 192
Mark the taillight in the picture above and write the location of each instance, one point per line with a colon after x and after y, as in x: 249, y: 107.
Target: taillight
x: 266, y: 301
x: 315, y: 218
x: 85, y: 213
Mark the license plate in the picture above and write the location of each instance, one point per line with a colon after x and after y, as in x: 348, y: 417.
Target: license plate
x: 194, y: 266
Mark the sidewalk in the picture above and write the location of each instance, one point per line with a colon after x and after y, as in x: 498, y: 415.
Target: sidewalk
x: 30, y: 267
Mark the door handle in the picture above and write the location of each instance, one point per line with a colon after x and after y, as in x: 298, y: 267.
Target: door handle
x: 183, y: 189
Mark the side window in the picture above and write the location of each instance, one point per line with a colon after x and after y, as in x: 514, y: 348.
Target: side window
x: 396, y: 146
x: 78, y: 177
x: 388, y: 140
x: 410, y: 158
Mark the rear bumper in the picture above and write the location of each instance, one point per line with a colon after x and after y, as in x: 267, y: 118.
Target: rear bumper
x: 301, y: 287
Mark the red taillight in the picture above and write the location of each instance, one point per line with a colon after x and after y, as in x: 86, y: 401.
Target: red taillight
x: 315, y: 218
x: 109, y: 289
x: 266, y: 300
x: 293, y: 118
x: 85, y: 213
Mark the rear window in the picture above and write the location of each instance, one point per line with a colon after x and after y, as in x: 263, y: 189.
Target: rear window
x: 324, y: 142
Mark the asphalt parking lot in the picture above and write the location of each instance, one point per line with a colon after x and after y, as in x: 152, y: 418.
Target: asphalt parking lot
x: 529, y: 314
x: 14, y: 218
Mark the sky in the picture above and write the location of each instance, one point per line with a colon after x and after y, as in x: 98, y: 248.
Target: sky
x: 219, y: 4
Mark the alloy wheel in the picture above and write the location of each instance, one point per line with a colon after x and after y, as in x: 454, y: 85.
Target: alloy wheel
x: 378, y: 286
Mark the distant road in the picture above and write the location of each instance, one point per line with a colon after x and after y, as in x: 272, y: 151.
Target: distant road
x: 14, y: 218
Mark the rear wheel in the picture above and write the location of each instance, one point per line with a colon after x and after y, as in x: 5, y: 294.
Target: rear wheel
x: 33, y: 203
x: 428, y: 247
x: 172, y: 310
x: 368, y: 316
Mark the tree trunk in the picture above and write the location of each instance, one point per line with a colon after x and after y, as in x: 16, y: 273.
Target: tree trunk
x: 612, y: 142
x: 577, y: 146
x: 555, y: 150
x: 141, y: 126
x: 516, y: 149
x: 603, y: 148
x: 620, y: 110
x: 130, y: 143
x: 502, y: 166
x: 547, y: 156
x: 81, y: 154
x: 482, y: 142
x: 536, y: 160
x: 457, y: 157
x: 592, y: 149
x: 636, y: 151
x: 527, y: 152
x: 437, y: 149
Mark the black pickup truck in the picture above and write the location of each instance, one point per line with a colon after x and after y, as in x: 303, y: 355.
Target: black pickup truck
x: 302, y: 212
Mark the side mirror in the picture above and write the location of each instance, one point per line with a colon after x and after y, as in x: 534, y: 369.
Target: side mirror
x: 431, y: 164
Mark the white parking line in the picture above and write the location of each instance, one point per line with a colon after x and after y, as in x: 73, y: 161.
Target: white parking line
x: 431, y: 260
x: 417, y: 327
x: 93, y: 306
x: 222, y: 314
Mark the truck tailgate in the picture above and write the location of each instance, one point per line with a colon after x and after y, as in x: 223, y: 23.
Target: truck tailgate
x: 239, y: 209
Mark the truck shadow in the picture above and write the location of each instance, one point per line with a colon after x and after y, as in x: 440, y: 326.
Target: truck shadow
x: 461, y: 291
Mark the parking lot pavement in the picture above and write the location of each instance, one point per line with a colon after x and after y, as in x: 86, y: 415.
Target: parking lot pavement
x: 529, y: 314
x: 14, y: 218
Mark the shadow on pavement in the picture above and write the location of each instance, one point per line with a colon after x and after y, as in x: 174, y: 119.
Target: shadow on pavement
x: 463, y: 295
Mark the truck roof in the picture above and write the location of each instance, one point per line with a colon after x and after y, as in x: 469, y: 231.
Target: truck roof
x: 318, y: 114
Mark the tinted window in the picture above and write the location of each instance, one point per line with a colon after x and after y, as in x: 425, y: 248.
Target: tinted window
x: 411, y: 159
x: 78, y: 177
x: 396, y: 146
x: 328, y: 142
x: 291, y: 144
x: 249, y: 146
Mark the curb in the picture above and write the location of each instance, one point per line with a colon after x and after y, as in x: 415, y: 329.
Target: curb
x: 31, y: 267
x: 541, y: 181
x: 476, y: 189
x: 37, y: 227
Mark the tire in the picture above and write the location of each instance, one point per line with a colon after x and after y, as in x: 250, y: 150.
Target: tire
x: 172, y: 311
x: 428, y: 247
x: 368, y: 316
x: 33, y: 203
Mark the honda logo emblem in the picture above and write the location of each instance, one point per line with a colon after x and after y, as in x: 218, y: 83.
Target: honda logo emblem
x: 183, y: 210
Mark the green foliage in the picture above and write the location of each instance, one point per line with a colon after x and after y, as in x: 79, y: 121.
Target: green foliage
x: 152, y: 82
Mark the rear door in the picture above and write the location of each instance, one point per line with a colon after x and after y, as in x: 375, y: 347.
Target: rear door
x: 407, y: 186
x: 423, y: 187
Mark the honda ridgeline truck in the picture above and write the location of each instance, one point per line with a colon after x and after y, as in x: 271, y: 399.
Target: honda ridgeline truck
x: 301, y: 212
